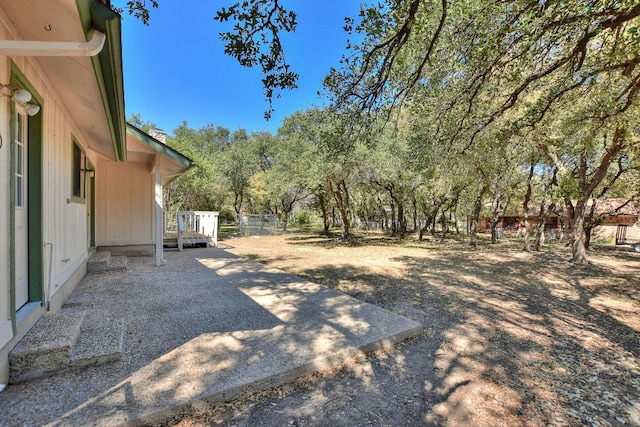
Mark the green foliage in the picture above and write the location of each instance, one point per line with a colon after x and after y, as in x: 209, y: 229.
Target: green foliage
x: 443, y: 108
x: 136, y: 120
x: 227, y: 216
x: 139, y: 9
x: 303, y: 218
x: 255, y: 40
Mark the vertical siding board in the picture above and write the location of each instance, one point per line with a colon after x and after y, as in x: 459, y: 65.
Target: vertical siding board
x: 4, y: 195
x: 128, y: 217
x: 101, y: 214
x: 64, y: 224
x: 140, y: 213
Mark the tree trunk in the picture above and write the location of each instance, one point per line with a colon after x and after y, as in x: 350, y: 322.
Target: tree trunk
x: 286, y: 210
x: 383, y: 211
x: 414, y: 204
x: 237, y: 204
x: 590, y: 223
x: 402, y: 220
x: 495, y: 217
x: 428, y: 221
x: 475, y: 219
x: 400, y: 225
x: 325, y: 216
x: 542, y: 218
x: 340, y: 195
x: 455, y: 217
x: 525, y: 208
x: 589, y: 178
x: 543, y: 213
x: 577, y: 237
x: 393, y: 217
x: 587, y: 237
x: 434, y: 220
x: 445, y: 227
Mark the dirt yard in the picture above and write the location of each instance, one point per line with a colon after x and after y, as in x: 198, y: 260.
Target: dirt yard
x: 512, y: 338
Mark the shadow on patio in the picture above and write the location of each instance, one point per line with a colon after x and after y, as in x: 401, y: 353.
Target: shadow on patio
x: 207, y: 327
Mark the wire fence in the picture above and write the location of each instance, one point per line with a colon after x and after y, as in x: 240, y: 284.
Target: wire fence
x: 259, y: 225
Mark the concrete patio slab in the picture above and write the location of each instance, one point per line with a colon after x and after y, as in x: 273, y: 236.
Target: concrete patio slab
x: 208, y: 327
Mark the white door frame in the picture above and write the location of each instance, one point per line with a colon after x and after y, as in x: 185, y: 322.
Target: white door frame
x: 21, y: 208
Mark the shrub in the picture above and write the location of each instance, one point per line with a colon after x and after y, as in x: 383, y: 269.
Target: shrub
x: 303, y: 218
x: 226, y: 216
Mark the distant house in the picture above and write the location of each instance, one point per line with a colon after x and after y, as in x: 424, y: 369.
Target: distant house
x: 73, y: 176
x: 610, y: 213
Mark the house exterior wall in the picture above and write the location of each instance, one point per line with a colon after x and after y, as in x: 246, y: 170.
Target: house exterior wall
x: 608, y: 232
x: 6, y: 330
x: 62, y: 245
x: 127, y: 219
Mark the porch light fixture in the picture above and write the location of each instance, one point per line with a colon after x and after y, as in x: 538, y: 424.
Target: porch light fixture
x: 21, y: 97
x: 32, y: 109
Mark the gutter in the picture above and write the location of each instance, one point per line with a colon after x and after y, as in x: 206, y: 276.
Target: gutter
x: 46, y: 48
x: 96, y: 15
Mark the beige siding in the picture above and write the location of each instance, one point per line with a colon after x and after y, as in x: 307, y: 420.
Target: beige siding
x: 609, y: 232
x: 64, y: 223
x: 128, y: 217
x: 5, y: 324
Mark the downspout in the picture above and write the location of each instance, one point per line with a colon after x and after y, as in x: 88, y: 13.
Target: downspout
x: 48, y: 295
x: 48, y: 48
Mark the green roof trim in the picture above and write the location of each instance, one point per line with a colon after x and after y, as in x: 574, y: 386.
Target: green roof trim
x: 107, y: 65
x: 159, y: 146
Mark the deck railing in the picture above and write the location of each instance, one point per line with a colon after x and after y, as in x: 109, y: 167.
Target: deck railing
x: 193, y: 227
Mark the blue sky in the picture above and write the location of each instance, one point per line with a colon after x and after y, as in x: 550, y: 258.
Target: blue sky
x: 175, y: 69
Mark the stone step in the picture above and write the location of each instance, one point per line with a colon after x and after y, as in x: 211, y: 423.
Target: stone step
x: 69, y: 339
x: 103, y: 261
x: 100, y: 341
x: 47, y: 347
x: 118, y: 263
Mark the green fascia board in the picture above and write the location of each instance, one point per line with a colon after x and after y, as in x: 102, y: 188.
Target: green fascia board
x: 158, y: 146
x: 107, y: 66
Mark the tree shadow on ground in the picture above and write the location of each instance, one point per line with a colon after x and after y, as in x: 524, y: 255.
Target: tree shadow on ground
x: 512, y: 338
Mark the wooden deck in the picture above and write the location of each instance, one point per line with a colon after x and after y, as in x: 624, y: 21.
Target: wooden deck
x: 190, y: 228
x: 188, y: 239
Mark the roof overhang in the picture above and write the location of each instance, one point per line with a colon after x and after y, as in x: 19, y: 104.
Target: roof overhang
x: 143, y: 148
x: 91, y: 88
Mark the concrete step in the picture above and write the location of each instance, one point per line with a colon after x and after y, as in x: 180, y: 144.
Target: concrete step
x: 118, y: 263
x: 100, y: 341
x: 69, y: 339
x: 103, y: 261
x: 46, y: 349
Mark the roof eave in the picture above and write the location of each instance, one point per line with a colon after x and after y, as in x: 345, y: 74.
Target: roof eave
x: 161, y: 148
x: 108, y: 68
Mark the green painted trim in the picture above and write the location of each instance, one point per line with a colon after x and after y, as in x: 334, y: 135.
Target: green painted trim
x: 92, y: 206
x: 36, y: 208
x: 12, y: 219
x: 159, y: 146
x: 75, y: 199
x: 34, y: 198
x: 75, y: 143
x: 19, y: 79
x: 108, y: 68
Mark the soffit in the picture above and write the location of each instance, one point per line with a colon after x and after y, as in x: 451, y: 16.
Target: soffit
x: 72, y: 79
x: 140, y: 152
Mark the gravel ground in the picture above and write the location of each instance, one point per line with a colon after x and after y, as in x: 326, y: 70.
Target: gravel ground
x: 511, y: 338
